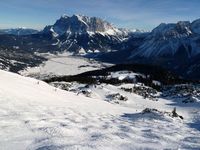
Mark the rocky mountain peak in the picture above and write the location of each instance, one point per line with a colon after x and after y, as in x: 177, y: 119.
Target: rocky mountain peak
x: 79, y: 24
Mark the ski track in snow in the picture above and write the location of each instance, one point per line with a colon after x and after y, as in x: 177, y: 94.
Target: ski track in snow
x: 38, y: 117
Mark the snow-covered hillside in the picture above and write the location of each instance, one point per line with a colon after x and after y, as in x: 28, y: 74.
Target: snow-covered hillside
x: 35, y: 115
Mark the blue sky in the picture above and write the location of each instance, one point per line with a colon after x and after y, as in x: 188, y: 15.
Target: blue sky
x: 141, y: 14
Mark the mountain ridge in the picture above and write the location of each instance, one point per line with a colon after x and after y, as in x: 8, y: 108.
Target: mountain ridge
x: 174, y: 46
x: 19, y: 31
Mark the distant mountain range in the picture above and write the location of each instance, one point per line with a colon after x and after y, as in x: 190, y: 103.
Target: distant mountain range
x: 18, y: 31
x: 78, y: 34
x: 172, y: 46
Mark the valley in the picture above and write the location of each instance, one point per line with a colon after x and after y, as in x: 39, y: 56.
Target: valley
x: 62, y: 64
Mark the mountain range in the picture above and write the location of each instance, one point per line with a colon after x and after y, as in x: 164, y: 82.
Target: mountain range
x: 174, y: 46
x: 18, y: 31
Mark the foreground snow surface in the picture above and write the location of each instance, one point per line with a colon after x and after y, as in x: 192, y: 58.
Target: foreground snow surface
x: 36, y: 116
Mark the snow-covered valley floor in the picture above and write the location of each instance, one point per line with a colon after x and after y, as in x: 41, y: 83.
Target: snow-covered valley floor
x: 63, y: 64
x: 37, y: 116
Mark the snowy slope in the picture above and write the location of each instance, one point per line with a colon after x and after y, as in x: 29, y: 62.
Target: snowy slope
x: 34, y: 115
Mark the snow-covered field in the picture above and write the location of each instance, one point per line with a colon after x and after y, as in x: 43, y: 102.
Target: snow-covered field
x: 63, y: 64
x: 35, y: 115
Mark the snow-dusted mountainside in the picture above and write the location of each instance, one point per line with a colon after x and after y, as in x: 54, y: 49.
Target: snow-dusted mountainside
x: 35, y: 115
x: 173, y: 46
x: 169, y: 39
x: 18, y: 31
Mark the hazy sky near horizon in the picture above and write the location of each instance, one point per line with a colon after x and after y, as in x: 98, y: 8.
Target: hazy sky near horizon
x: 141, y: 14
